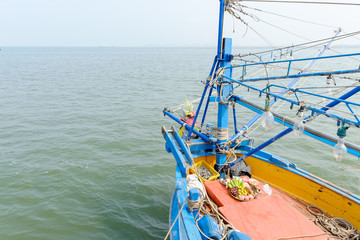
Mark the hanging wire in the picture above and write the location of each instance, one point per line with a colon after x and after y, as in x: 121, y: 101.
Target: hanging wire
x: 257, y: 19
x: 304, y: 2
x: 260, y: 35
x: 318, y: 42
x: 296, y: 19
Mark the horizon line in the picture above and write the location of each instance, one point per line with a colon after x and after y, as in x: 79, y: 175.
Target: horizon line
x: 144, y: 46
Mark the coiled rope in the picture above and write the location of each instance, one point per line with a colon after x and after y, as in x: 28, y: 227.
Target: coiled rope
x: 338, y: 228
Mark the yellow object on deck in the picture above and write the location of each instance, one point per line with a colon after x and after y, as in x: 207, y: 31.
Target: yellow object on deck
x: 204, y: 164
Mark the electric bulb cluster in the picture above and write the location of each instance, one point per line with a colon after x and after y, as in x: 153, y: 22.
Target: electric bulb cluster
x: 267, y: 121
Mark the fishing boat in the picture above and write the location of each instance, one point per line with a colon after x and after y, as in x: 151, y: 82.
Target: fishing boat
x: 229, y: 187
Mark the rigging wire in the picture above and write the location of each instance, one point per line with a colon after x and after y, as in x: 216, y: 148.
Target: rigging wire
x: 296, y: 19
x: 305, y: 2
x: 260, y: 35
x: 355, y: 59
x: 273, y: 67
x: 257, y: 19
x: 236, y: 6
x: 319, y: 42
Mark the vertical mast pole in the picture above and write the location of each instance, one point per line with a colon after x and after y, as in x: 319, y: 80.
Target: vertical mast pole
x: 223, y: 90
x: 221, y: 27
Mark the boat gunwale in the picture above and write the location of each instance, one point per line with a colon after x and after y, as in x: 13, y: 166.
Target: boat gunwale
x: 294, y: 169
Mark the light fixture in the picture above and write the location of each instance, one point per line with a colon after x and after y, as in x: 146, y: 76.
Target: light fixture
x: 330, y: 80
x: 267, y: 118
x: 299, y: 126
x: 340, y: 149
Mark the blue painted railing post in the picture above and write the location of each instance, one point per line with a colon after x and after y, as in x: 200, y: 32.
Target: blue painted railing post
x: 223, y: 89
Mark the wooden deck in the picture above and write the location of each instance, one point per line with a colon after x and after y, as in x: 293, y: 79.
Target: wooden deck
x: 278, y: 216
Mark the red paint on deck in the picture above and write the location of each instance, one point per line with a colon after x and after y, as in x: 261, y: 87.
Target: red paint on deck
x: 264, y: 218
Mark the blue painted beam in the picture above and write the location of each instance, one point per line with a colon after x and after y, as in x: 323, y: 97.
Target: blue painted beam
x: 183, y: 147
x: 202, y: 136
x: 352, y: 148
x: 235, y: 122
x: 302, y: 75
x: 313, y: 109
x: 265, y: 144
x: 296, y: 60
x: 341, y: 98
x: 170, y: 140
x: 313, y: 94
x: 209, y: 96
x: 202, y: 99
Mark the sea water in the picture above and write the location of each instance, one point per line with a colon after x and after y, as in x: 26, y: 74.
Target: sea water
x: 81, y: 150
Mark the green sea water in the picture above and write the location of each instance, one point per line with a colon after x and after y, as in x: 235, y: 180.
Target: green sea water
x: 81, y: 152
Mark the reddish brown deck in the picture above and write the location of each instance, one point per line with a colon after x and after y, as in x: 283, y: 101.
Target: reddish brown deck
x: 267, y: 217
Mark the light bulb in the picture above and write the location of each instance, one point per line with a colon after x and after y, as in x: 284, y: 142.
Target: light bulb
x: 298, y: 127
x: 328, y: 88
x: 330, y: 80
x: 339, y: 150
x: 267, y: 120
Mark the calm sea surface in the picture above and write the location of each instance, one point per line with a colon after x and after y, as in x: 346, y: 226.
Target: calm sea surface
x: 81, y: 153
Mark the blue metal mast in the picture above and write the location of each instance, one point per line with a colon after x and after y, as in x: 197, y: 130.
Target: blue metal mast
x: 223, y: 91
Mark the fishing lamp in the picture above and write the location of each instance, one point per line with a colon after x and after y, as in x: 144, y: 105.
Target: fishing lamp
x: 267, y: 118
x: 340, y: 149
x: 330, y: 79
x: 299, y: 126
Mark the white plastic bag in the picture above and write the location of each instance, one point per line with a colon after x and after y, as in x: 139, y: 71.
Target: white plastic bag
x: 193, y: 181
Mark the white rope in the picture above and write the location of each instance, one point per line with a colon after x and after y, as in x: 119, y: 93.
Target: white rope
x: 167, y: 235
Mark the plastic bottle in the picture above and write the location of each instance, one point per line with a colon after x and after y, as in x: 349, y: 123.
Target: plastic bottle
x: 267, y: 189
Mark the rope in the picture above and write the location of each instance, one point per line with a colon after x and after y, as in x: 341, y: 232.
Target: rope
x: 194, y: 205
x: 303, y: 236
x: 336, y: 227
x: 173, y: 109
x: 207, y: 207
x: 307, y: 2
x: 167, y: 235
x: 196, y: 223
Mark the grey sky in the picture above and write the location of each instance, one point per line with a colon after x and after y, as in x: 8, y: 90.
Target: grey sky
x: 157, y: 23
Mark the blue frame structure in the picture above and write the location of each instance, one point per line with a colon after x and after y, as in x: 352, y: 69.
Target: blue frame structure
x: 182, y: 220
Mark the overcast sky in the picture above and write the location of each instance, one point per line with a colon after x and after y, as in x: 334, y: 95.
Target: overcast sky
x: 159, y: 23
